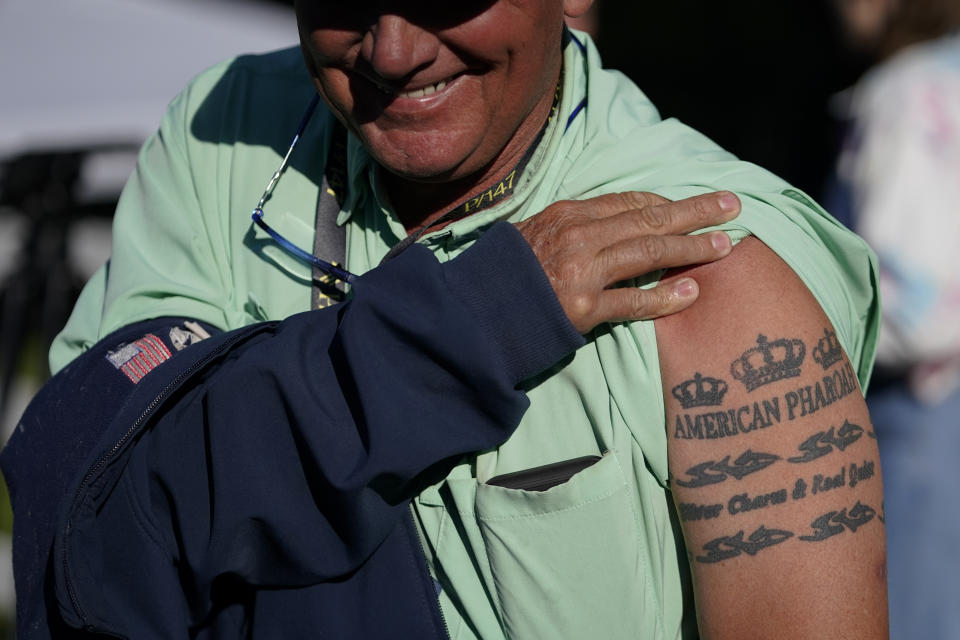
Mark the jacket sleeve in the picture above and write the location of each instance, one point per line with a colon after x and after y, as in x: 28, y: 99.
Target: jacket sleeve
x: 284, y: 453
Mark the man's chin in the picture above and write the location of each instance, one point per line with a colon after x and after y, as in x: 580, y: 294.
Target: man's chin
x: 426, y: 157
x: 424, y: 170
x: 424, y: 176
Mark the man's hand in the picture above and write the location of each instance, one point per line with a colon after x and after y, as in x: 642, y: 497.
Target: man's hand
x: 586, y: 246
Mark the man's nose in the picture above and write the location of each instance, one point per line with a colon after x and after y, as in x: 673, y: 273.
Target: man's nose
x: 397, y: 48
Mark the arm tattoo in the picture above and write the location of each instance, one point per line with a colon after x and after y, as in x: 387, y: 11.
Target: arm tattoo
x: 768, y: 362
x: 834, y: 523
x: 743, y: 502
x: 714, y: 423
x: 707, y: 473
x: 820, y: 444
x: 728, y: 547
x: 828, y: 350
x: 691, y: 511
x: 701, y: 391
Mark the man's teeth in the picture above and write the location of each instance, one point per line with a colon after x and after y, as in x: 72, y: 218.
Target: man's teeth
x: 425, y: 91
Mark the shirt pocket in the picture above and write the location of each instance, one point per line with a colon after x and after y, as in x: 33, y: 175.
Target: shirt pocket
x: 566, y: 562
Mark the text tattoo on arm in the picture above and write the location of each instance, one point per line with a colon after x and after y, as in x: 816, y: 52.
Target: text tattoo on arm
x: 761, y: 414
x: 828, y: 525
x: 813, y: 448
x: 703, y: 417
x: 849, y: 475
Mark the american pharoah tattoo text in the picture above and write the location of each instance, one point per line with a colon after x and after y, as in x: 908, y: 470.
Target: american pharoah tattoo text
x: 704, y: 392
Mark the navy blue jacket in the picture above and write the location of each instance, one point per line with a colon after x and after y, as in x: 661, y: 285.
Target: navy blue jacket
x: 257, y: 483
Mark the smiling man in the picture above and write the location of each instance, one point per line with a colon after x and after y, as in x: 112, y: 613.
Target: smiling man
x: 727, y: 443
x: 448, y: 98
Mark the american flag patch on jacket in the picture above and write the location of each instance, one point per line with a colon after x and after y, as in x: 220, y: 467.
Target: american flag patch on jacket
x: 139, y: 358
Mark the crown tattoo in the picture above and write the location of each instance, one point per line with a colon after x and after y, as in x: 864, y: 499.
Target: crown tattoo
x: 828, y: 351
x: 702, y: 391
x: 768, y: 362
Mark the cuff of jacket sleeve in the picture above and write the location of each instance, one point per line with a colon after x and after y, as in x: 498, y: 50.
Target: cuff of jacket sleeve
x: 499, y: 279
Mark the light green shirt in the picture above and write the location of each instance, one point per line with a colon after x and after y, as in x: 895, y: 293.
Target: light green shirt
x: 596, y: 557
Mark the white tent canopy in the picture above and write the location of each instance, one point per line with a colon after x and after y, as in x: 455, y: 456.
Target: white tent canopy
x: 78, y: 73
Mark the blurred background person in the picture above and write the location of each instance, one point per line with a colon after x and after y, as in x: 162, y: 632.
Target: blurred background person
x: 899, y: 178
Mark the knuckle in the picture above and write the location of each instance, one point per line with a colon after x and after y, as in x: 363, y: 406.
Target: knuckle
x: 694, y: 247
x: 557, y: 213
x: 653, y: 248
x: 639, y: 308
x: 580, y: 305
x: 564, y: 207
x: 639, y: 199
x: 652, y: 218
x: 703, y: 207
x: 655, y: 303
x: 631, y: 199
x: 572, y: 235
x: 644, y: 305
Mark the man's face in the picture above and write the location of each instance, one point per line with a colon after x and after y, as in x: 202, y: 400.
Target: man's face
x: 436, y: 90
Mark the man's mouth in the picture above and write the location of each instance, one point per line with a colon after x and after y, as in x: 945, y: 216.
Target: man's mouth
x: 420, y: 92
x: 430, y: 89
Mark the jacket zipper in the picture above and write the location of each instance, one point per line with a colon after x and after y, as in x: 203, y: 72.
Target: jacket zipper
x: 426, y: 565
x: 105, y: 458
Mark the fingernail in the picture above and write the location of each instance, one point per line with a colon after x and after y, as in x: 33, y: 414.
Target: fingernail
x: 720, y: 241
x: 685, y: 287
x: 728, y: 202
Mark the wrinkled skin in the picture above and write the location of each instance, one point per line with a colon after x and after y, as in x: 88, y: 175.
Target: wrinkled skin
x: 586, y: 246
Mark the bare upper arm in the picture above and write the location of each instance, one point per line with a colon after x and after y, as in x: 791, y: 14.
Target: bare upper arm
x: 773, y: 463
